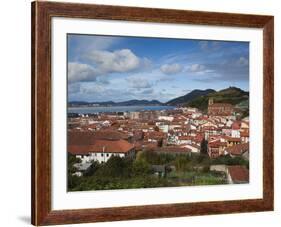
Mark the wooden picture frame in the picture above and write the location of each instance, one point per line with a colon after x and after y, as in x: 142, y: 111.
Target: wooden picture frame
x: 42, y: 13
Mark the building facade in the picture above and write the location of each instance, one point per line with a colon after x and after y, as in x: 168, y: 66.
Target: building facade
x: 218, y: 109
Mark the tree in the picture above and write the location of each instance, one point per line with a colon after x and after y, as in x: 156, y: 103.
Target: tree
x: 156, y: 128
x: 92, y: 169
x: 204, y: 147
x: 228, y: 160
x: 141, y: 168
x: 115, y: 167
x: 73, y: 181
x: 182, y: 163
x: 71, y: 159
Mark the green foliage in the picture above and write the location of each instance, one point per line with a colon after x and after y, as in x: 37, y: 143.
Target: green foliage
x: 121, y: 173
x: 190, y: 96
x: 230, y: 95
x: 141, y: 168
x: 228, y: 160
x: 115, y: 167
x: 73, y: 181
x: 197, y: 177
x: 191, y: 162
x: 92, y: 169
x: 204, y: 147
x: 155, y: 158
x: 182, y: 163
x: 209, y: 180
x: 244, y: 113
x: 201, y: 103
x: 71, y: 160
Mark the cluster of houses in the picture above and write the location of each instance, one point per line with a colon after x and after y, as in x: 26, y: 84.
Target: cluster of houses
x: 99, y: 146
x: 182, y: 130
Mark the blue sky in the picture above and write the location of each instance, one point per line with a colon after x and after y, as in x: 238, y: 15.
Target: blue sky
x: 110, y: 68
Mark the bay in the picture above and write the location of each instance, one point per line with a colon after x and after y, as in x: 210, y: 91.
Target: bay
x: 108, y: 109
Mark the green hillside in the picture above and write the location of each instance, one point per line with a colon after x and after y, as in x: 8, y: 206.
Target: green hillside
x: 230, y: 95
x: 189, y: 97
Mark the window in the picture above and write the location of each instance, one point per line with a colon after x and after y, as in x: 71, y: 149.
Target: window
x: 107, y: 155
x: 101, y: 154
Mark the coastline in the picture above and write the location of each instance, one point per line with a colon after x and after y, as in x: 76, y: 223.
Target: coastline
x: 112, y: 109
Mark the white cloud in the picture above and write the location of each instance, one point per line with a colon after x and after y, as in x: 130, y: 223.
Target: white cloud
x: 242, y: 61
x: 100, y: 94
x: 148, y: 91
x: 118, y: 61
x: 196, y: 68
x: 171, y: 68
x: 81, y: 44
x: 209, y: 45
x: 81, y: 72
x: 74, y: 88
x: 203, y: 45
x: 139, y: 82
x: 100, y: 42
x: 186, y: 91
x: 92, y: 89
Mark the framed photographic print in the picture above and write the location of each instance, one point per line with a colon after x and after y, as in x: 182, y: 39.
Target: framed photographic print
x: 144, y: 113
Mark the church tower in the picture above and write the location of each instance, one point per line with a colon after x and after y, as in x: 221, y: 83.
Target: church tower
x: 211, y: 101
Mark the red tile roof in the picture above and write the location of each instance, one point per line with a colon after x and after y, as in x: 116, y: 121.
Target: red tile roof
x: 238, y: 174
x: 149, y: 145
x: 185, y: 138
x: 238, y: 149
x: 87, y: 138
x: 244, y: 134
x: 209, y: 128
x: 217, y: 144
x: 154, y: 135
x: 236, y: 125
x: 98, y: 146
x: 220, y: 105
x: 174, y: 149
x: 192, y: 145
x: 232, y: 139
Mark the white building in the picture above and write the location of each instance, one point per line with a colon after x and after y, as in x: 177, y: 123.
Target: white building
x: 102, y: 150
x: 166, y: 118
x: 193, y: 147
x: 134, y: 115
x: 163, y: 126
x: 184, y: 139
x: 235, y: 133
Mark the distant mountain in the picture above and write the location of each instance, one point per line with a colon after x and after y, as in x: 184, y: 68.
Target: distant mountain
x: 83, y: 103
x: 77, y: 103
x: 134, y: 102
x: 232, y: 95
x: 196, y: 98
x: 184, y: 100
x: 140, y: 103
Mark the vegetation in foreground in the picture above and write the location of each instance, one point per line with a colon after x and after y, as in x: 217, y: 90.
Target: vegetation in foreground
x: 125, y: 173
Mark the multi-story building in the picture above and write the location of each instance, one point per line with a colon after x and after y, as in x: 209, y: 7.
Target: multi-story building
x: 88, y: 148
x: 218, y: 109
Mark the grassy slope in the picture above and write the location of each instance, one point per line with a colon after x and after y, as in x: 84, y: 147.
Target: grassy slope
x: 230, y: 95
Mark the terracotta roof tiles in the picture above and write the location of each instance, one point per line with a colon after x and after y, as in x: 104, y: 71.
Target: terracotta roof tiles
x: 98, y: 146
x: 238, y: 149
x: 238, y: 174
